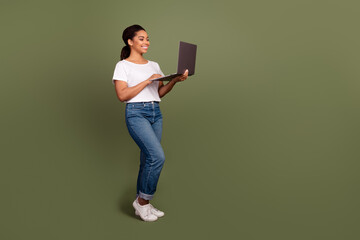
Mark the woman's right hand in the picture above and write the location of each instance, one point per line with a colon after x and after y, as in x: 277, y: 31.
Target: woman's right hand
x: 154, y: 76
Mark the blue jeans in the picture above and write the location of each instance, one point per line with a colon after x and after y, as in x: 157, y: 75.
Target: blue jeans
x: 144, y: 122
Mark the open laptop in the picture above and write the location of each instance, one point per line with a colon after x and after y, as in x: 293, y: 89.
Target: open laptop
x: 187, y: 57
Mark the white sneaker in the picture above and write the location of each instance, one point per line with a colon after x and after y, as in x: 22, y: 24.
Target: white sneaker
x: 154, y: 211
x: 144, y: 211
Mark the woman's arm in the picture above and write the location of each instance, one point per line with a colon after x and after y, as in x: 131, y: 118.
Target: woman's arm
x: 125, y: 93
x: 164, y: 89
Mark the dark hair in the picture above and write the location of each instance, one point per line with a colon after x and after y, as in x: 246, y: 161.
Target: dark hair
x: 129, y: 33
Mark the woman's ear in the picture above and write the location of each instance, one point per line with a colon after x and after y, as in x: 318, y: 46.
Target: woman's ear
x: 130, y: 42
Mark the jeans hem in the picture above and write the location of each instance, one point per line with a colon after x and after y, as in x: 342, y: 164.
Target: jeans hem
x: 145, y: 196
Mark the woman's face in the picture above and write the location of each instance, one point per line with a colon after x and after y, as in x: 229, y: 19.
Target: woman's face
x: 140, y: 42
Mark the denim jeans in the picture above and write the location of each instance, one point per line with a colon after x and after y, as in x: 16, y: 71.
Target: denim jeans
x: 144, y: 122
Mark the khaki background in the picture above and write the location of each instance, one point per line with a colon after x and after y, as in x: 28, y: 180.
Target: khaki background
x: 262, y: 143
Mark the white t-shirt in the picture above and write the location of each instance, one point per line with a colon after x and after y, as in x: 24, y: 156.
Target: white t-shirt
x: 134, y: 73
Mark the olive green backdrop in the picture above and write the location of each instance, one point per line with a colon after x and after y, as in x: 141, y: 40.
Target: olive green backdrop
x: 262, y: 143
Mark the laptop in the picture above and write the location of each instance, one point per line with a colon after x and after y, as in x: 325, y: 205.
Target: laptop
x: 187, y: 57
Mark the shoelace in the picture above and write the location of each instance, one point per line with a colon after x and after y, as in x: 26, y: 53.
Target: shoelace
x: 153, y: 208
x: 149, y: 212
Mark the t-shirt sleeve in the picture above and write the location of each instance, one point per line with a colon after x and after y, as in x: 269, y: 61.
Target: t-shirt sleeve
x: 159, y: 70
x: 119, y: 73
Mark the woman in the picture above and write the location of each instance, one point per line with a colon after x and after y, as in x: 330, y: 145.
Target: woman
x: 132, y: 80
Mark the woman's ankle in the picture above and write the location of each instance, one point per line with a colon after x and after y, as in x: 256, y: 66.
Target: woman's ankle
x: 143, y: 201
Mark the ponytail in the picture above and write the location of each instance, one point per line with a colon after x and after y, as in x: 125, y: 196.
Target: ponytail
x: 125, y: 52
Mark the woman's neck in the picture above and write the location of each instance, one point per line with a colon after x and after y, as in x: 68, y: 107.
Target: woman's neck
x: 136, y: 58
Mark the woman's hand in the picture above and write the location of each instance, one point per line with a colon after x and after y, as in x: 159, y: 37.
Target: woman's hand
x: 154, y: 76
x: 164, y: 89
x: 182, y: 77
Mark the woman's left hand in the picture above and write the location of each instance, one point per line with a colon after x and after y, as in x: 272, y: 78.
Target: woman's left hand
x: 164, y: 89
x: 182, y: 77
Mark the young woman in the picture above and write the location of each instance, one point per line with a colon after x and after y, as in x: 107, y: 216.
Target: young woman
x: 133, y: 85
